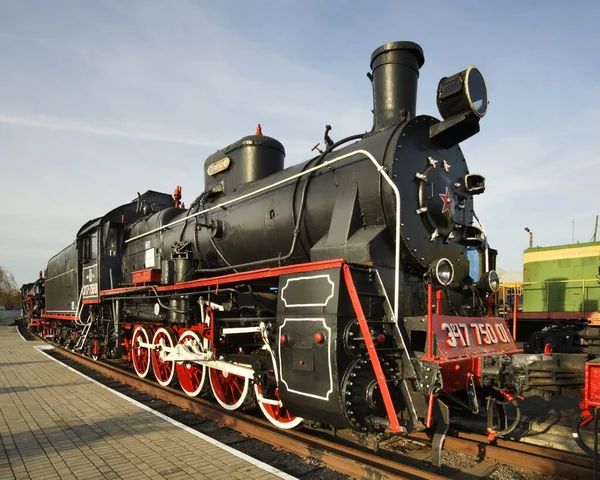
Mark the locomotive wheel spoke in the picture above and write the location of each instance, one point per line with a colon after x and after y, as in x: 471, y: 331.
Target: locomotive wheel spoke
x: 277, y: 415
x: 141, y: 355
x: 230, y: 390
x: 163, y: 371
x: 191, y: 376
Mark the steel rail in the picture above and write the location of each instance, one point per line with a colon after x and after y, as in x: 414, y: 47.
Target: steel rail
x: 523, y: 455
x: 348, y: 460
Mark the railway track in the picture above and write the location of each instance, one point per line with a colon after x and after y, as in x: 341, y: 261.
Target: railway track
x: 357, y: 462
x: 522, y: 455
x: 344, y: 459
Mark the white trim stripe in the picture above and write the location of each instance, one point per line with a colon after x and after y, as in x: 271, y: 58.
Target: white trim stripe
x: 329, y: 340
x: 60, y: 275
x: 212, y: 441
x: 17, y: 329
x: 310, y: 277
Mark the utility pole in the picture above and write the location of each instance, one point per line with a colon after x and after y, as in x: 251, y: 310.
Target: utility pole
x: 530, y: 237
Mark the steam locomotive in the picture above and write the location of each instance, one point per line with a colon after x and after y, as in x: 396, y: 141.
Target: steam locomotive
x: 33, y: 302
x: 351, y: 290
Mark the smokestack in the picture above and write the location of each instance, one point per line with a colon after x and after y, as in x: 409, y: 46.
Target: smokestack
x: 395, y: 68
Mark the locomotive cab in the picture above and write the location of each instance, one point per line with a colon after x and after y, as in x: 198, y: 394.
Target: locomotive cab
x: 88, y: 248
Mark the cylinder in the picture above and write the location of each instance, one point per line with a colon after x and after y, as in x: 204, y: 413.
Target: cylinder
x: 178, y: 305
x: 184, y: 269
x: 167, y: 272
x: 117, y: 330
x: 395, y: 68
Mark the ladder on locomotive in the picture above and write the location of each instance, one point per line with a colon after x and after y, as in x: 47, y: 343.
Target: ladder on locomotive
x: 379, y: 312
x: 87, y: 325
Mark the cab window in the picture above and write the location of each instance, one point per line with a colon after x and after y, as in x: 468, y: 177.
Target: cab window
x: 111, y: 243
x: 90, y: 248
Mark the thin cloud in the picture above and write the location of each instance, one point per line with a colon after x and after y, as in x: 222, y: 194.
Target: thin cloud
x: 79, y: 126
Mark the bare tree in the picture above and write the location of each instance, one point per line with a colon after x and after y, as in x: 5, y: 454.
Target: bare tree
x: 10, y: 295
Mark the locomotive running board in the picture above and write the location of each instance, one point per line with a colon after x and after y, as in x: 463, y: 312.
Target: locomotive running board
x: 230, y: 278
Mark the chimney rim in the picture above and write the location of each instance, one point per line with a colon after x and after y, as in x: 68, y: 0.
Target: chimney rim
x: 415, y: 48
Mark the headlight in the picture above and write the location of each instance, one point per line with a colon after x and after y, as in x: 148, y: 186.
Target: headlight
x: 442, y: 272
x: 490, y: 281
x: 463, y: 93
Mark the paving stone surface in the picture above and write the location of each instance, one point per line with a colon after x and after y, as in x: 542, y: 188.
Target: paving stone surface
x: 55, y: 424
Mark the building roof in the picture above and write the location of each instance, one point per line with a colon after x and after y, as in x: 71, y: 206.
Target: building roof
x: 561, y: 252
x: 564, y: 247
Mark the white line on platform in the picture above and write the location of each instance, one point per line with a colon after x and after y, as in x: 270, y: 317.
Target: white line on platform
x: 208, y: 439
x: 17, y: 329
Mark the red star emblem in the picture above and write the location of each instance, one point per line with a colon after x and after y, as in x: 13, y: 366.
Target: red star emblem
x: 447, y: 201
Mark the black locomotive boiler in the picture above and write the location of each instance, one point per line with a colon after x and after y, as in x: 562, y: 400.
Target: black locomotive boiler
x: 350, y: 290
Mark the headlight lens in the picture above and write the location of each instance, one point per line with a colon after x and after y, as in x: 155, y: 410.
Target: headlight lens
x: 476, y: 91
x: 490, y: 281
x: 442, y: 271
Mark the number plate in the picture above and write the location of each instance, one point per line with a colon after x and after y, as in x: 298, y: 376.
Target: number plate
x: 471, y: 336
x: 90, y: 281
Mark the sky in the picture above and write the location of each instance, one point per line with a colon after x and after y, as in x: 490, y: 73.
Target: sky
x: 101, y: 100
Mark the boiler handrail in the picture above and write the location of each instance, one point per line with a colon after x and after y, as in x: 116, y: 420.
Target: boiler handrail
x: 380, y: 168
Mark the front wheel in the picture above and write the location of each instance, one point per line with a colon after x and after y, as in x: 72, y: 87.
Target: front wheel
x: 277, y: 414
x: 141, y: 355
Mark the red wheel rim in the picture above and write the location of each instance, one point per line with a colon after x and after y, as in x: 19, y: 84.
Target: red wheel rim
x: 191, y: 378
x: 140, y: 355
x: 191, y: 375
x: 277, y: 414
x: 230, y: 390
x: 163, y: 371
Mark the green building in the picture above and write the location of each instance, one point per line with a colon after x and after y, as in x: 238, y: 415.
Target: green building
x: 563, y: 278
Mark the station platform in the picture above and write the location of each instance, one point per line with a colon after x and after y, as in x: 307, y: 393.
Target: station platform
x: 57, y: 424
